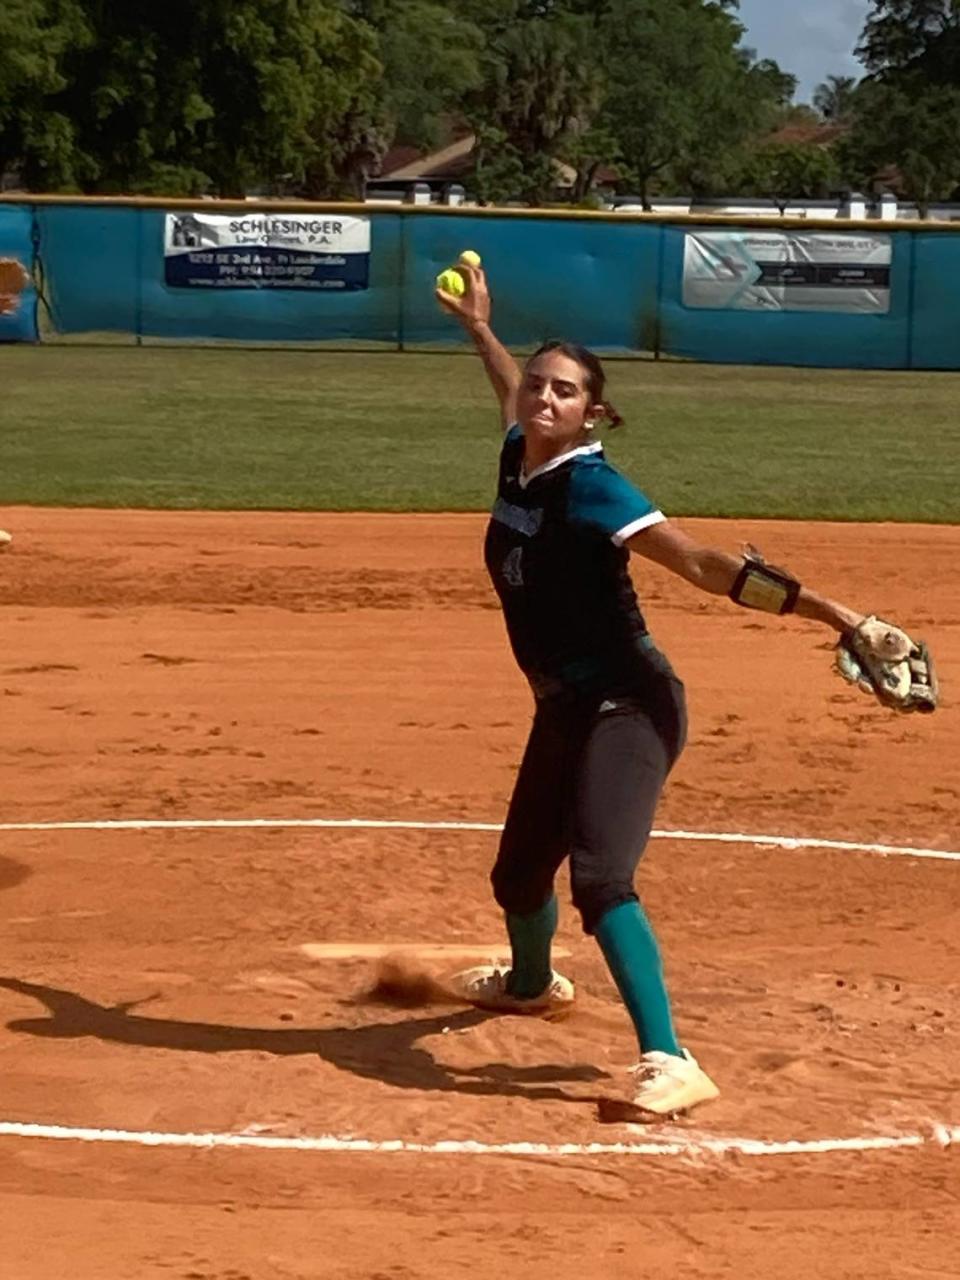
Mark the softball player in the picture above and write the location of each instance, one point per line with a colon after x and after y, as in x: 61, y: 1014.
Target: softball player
x: 610, y: 717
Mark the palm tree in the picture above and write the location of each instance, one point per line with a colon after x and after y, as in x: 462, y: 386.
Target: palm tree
x: 834, y: 98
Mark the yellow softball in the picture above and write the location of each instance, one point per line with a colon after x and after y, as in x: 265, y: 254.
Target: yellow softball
x: 452, y: 282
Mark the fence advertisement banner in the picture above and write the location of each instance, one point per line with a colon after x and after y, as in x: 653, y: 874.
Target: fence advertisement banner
x: 766, y: 270
x: 260, y: 250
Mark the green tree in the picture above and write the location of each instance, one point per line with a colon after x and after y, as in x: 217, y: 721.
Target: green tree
x: 541, y: 87
x: 906, y: 124
x: 35, y: 137
x: 901, y: 37
x: 587, y: 151
x: 683, y: 95
x: 217, y: 95
x: 501, y: 171
x: 787, y: 171
x: 909, y: 137
x: 658, y: 86
x: 431, y: 58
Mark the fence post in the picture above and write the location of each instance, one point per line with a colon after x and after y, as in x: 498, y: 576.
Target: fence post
x: 658, y: 315
x: 401, y: 280
x: 138, y: 314
x: 911, y: 296
x: 36, y: 269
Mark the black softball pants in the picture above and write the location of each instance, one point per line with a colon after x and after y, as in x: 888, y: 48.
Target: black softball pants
x: 587, y: 788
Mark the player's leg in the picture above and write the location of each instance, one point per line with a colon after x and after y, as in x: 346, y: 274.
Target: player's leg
x: 625, y: 763
x: 532, y: 847
x: 624, y: 766
x: 533, y: 844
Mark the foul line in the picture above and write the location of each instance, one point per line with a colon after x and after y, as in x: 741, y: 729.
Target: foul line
x: 941, y: 1136
x: 376, y: 824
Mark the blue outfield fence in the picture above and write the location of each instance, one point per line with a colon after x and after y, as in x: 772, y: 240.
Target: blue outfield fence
x: 801, y: 292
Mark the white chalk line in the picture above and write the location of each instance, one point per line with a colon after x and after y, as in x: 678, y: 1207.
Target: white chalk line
x: 377, y: 824
x: 699, y: 1145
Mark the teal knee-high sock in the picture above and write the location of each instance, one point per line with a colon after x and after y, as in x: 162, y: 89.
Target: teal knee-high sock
x: 633, y: 957
x: 530, y: 939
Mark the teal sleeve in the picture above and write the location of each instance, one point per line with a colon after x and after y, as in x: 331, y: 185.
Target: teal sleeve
x: 604, y: 500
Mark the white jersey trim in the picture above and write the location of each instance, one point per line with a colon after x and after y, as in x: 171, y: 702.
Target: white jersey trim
x: 636, y: 526
x: 579, y: 452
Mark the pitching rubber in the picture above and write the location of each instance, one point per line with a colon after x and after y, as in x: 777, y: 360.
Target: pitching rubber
x: 414, y: 950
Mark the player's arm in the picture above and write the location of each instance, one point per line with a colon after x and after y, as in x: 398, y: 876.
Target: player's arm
x: 748, y: 582
x: 473, y: 312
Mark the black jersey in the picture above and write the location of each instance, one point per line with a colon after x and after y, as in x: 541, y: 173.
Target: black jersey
x: 555, y: 552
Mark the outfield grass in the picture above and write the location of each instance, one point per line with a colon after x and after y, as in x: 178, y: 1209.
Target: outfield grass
x: 234, y: 429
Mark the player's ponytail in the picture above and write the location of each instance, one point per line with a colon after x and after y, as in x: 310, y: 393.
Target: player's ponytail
x: 613, y: 418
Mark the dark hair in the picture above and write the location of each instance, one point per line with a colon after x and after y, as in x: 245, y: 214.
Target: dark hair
x: 596, y: 377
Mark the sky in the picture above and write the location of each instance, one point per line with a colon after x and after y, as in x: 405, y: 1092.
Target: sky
x: 812, y: 39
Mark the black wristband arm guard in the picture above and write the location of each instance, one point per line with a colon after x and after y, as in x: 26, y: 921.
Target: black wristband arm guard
x: 763, y: 586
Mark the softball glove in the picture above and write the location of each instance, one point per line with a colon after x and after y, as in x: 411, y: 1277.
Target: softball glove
x: 883, y: 660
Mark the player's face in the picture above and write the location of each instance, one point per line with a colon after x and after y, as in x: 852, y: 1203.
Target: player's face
x: 553, y: 403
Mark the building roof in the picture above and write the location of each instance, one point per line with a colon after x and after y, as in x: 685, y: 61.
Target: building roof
x: 455, y: 161
x: 406, y: 163
x: 818, y: 135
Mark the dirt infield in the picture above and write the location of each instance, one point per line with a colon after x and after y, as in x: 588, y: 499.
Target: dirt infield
x: 266, y: 666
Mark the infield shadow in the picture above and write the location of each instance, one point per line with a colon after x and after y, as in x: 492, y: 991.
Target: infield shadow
x: 385, y: 1051
x: 13, y: 873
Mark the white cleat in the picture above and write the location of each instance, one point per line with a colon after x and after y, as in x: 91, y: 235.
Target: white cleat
x: 665, y: 1084
x: 486, y: 987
